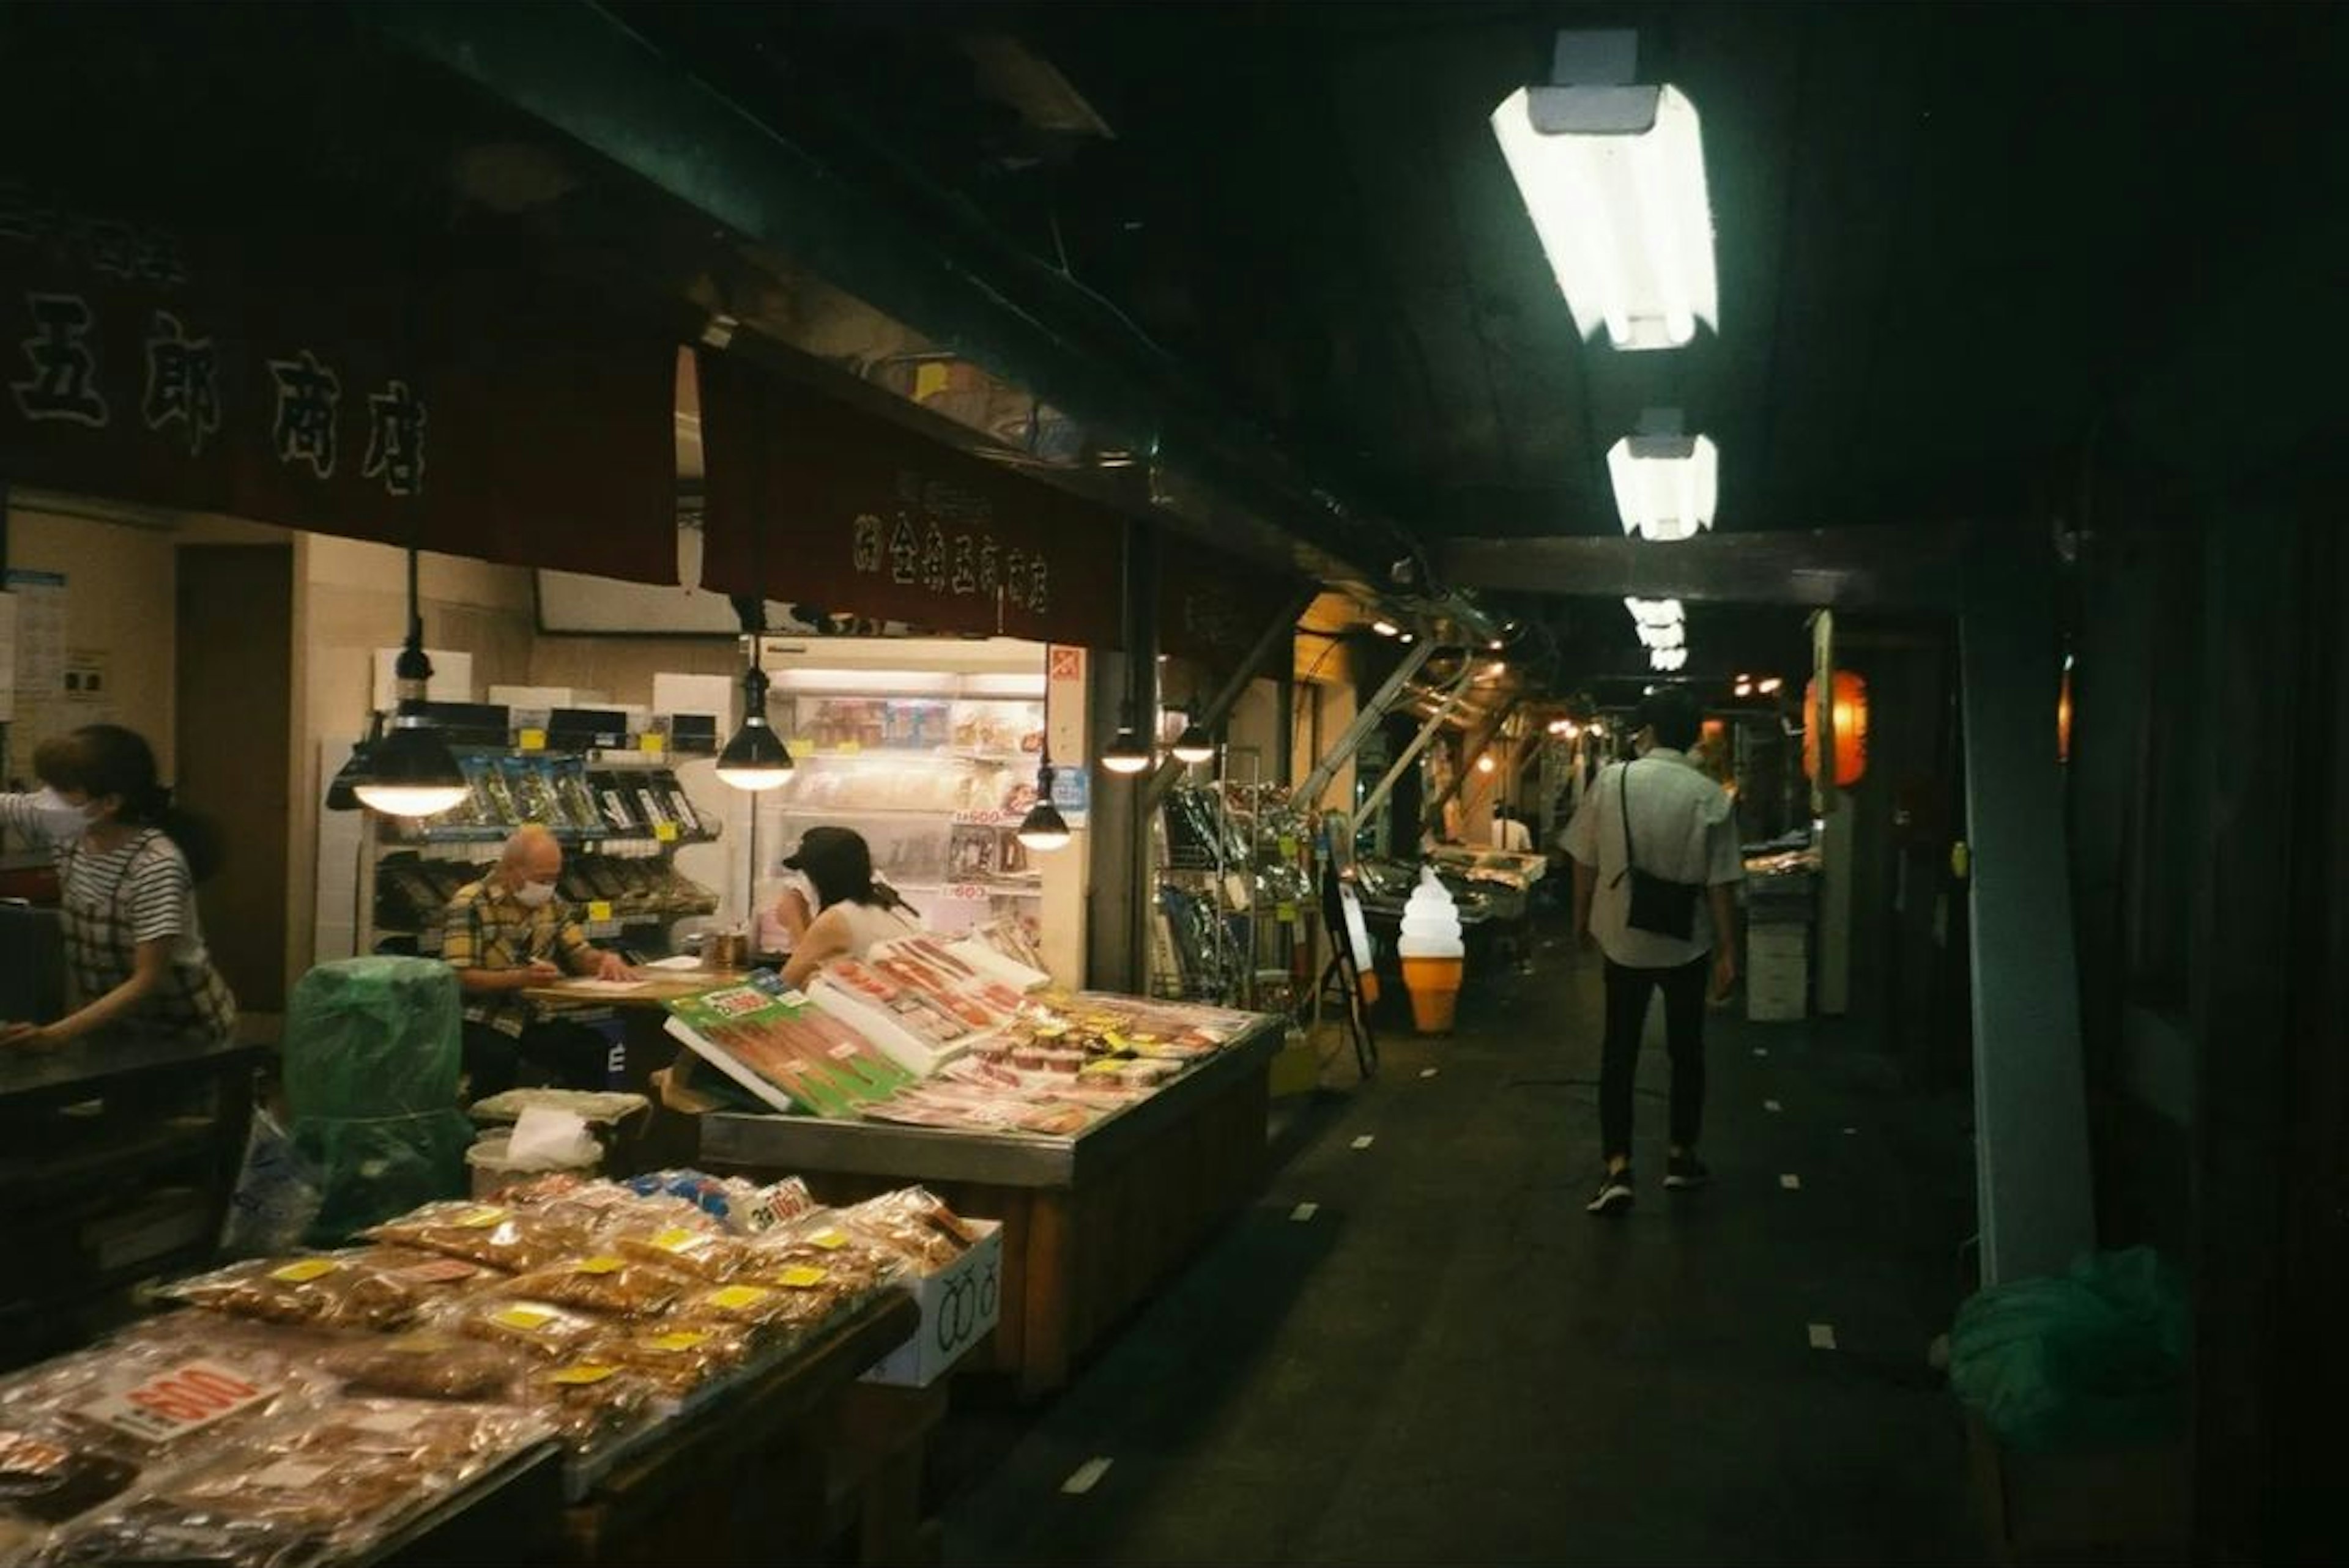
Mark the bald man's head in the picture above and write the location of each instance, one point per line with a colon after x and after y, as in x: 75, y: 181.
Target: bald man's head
x: 532, y: 855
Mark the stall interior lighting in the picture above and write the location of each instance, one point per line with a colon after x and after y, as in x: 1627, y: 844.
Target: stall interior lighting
x: 1770, y: 687
x: 411, y: 773
x: 1612, y: 174
x: 1043, y: 829
x: 1385, y: 628
x: 1127, y: 753
x: 756, y: 759
x: 1485, y: 763
x: 1193, y: 746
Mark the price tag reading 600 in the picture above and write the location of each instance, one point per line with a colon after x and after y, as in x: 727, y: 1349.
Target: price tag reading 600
x: 183, y: 1400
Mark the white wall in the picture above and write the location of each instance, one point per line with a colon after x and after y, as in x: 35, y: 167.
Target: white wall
x: 123, y: 602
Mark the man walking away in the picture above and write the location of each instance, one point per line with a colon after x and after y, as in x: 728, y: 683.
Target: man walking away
x: 1656, y: 859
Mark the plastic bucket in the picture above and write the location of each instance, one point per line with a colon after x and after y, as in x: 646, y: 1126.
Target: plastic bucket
x: 492, y: 1172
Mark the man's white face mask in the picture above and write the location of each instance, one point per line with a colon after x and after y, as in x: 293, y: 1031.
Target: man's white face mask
x: 535, y: 894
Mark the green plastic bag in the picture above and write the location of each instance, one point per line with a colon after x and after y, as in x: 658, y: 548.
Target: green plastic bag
x: 373, y: 1048
x: 2095, y: 1359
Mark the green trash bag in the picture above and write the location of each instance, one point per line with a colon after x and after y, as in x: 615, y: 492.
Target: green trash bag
x: 2095, y: 1359
x: 372, y: 1051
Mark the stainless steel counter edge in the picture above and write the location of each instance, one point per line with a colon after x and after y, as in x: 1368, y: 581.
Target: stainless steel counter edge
x: 806, y: 1143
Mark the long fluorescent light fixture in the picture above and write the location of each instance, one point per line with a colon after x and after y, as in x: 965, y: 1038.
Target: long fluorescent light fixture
x: 1674, y: 635
x: 1667, y: 658
x: 1656, y: 612
x: 1613, y: 175
x: 1667, y: 484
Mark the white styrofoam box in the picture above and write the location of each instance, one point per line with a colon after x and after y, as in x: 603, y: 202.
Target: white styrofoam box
x: 712, y: 694
x: 960, y: 1304
x: 1792, y: 942
x: 878, y: 1024
x: 453, y: 677
x: 998, y: 967
x: 1775, y: 1006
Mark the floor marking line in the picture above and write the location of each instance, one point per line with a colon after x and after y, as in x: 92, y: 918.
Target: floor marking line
x: 1304, y: 1211
x: 1365, y: 1140
x: 1823, y: 1336
x: 1087, y: 1476
x: 1791, y: 1182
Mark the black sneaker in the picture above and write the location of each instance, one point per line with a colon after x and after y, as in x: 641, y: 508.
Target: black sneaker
x: 1685, y: 1172
x: 1614, y: 1194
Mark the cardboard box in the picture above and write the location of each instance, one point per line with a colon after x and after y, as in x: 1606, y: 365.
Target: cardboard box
x: 960, y: 1304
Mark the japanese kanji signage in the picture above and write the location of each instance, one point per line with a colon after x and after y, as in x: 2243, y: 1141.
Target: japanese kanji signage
x: 478, y: 409
x: 845, y: 512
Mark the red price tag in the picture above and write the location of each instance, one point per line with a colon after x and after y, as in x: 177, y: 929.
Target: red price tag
x: 181, y: 1400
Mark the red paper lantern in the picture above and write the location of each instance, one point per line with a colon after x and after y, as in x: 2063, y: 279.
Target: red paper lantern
x: 1850, y: 729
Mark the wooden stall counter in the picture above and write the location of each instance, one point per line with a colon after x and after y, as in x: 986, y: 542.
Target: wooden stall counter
x: 1093, y: 1224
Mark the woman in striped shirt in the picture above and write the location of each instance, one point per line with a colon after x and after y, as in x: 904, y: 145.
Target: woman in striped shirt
x: 134, y: 952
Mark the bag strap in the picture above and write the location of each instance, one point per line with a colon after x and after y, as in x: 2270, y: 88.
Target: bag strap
x: 1624, y: 782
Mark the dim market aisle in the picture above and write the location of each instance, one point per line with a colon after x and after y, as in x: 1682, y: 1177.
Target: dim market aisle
x: 1446, y: 1360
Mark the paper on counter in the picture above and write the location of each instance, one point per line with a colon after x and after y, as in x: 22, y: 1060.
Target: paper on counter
x: 545, y: 1139
x: 682, y: 961
x: 604, y: 987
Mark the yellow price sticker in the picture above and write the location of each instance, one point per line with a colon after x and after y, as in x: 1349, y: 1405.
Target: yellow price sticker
x: 801, y: 1277
x: 665, y: 832
x: 678, y: 1343
x: 533, y: 740
x: 306, y: 1270
x: 1288, y: 846
x: 1286, y: 913
x: 599, y: 910
x: 851, y: 748
x: 480, y: 1219
x: 676, y: 1239
x: 601, y: 1266
x: 529, y: 1319
x: 652, y: 744
x: 580, y: 1376
x: 830, y: 1241
x: 735, y: 1297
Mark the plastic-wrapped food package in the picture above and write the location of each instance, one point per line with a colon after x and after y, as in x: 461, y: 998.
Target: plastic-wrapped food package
x: 680, y: 1250
x: 591, y: 1404
x: 329, y: 1291
x: 673, y: 1359
x: 49, y: 1476
x: 158, y: 1388
x: 914, y: 1224
x: 429, y: 1365
x: 601, y: 1283
x: 515, y: 1240
x: 371, y: 1067
x: 328, y: 1483
x: 540, y: 1327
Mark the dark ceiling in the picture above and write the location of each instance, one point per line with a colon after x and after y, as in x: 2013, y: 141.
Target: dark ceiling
x: 1949, y: 237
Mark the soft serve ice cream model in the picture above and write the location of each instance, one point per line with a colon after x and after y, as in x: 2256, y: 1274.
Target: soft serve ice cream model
x: 1432, y: 953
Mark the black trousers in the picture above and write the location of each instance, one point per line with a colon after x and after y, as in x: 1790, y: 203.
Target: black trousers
x: 573, y: 1054
x: 1627, y: 991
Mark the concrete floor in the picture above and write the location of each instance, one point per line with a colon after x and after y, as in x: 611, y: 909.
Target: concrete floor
x: 1450, y: 1362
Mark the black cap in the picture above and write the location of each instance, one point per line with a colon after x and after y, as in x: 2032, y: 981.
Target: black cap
x: 1672, y: 713
x: 837, y: 855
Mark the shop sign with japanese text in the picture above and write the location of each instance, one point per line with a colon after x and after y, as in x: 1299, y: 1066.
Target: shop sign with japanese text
x: 473, y: 408
x: 841, y: 511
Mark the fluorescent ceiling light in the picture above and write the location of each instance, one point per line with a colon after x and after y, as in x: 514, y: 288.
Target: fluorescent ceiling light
x: 1667, y: 485
x: 1673, y: 635
x: 1667, y: 658
x: 1656, y: 612
x: 1613, y: 176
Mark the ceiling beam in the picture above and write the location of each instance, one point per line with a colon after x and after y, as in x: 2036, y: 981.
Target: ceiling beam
x: 1847, y: 568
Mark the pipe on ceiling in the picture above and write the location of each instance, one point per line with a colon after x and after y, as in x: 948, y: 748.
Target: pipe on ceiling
x: 580, y: 71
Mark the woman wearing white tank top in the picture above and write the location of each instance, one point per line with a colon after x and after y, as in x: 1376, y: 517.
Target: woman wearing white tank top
x: 854, y: 912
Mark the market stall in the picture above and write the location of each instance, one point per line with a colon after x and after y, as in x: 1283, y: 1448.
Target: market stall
x: 1109, y: 1134
x: 576, y: 1369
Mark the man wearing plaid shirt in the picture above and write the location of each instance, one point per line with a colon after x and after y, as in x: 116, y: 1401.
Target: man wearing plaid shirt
x: 504, y: 934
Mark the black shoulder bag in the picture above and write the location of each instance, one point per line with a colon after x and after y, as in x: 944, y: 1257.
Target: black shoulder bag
x: 1659, y: 907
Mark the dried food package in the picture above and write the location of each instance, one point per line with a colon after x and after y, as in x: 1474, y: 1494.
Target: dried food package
x: 49, y: 1475
x: 681, y: 1250
x: 431, y: 1364
x: 676, y: 1360
x: 329, y: 1291
x: 913, y: 1223
x: 602, y: 1283
x: 591, y: 1404
x: 542, y: 1329
x: 579, y: 801
x: 515, y: 1240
